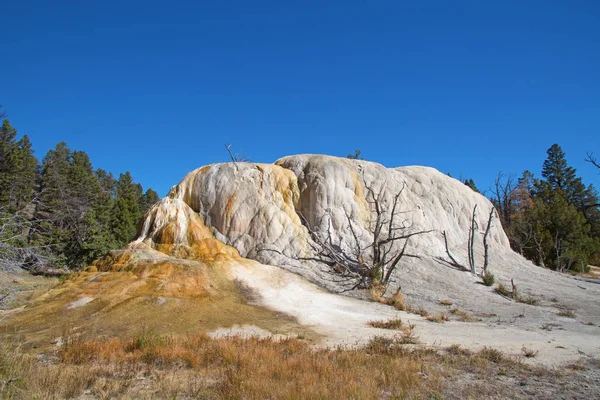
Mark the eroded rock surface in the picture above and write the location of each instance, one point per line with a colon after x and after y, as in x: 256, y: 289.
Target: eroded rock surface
x: 264, y: 211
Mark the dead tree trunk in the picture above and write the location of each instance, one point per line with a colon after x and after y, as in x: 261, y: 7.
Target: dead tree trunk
x: 456, y: 263
x: 471, y: 245
x: 471, y: 242
x: 486, y: 258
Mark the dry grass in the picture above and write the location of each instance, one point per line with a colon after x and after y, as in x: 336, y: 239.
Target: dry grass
x: 395, y: 323
x: 504, y: 291
x: 513, y: 294
x: 397, y: 300
x: 549, y: 326
x: 491, y: 354
x: 527, y: 300
x: 566, y: 313
x: 529, y: 353
x: 440, y: 319
x: 463, y: 316
x: 407, y: 336
x: 195, y: 366
x: 153, y: 366
x: 455, y: 349
x: 418, y: 311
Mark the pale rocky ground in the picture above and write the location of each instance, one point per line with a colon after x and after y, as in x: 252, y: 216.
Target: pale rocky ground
x: 342, y: 320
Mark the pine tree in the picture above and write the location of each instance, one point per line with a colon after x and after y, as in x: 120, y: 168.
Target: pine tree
x: 51, y: 221
x: 471, y: 183
x: 148, y: 200
x: 561, y: 216
x: 84, y: 191
x: 126, y: 211
x: 7, y: 161
x: 17, y: 170
x: 107, y: 181
x: 26, y: 169
x: 556, y: 171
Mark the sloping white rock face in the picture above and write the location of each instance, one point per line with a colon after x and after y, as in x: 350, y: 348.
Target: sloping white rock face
x: 263, y: 210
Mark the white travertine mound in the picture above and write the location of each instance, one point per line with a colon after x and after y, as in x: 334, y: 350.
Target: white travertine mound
x: 262, y: 210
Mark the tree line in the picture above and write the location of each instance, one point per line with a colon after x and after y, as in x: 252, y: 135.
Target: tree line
x: 553, y: 220
x: 62, y: 212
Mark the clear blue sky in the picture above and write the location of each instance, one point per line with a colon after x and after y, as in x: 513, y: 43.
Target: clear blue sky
x: 157, y: 88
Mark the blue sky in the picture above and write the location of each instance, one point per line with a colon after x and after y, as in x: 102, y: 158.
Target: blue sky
x: 157, y: 88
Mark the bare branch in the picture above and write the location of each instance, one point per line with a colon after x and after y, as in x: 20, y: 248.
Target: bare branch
x: 348, y: 260
x: 456, y: 263
x: 591, y: 159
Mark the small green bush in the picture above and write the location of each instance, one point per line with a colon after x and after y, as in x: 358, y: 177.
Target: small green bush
x: 488, y: 279
x: 503, y: 290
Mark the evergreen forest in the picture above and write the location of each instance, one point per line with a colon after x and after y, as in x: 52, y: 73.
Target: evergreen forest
x: 61, y: 213
x: 553, y: 220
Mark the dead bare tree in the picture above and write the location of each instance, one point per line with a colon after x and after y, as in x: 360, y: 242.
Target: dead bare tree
x: 238, y: 157
x: 503, y: 197
x: 367, y: 260
x: 473, y: 228
x: 16, y: 253
x: 471, y: 242
x: 486, y: 247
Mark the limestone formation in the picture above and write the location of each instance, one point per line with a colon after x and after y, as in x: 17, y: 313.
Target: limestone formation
x: 268, y: 211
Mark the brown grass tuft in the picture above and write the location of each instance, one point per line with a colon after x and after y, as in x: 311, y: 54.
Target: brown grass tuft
x: 397, y: 300
x: 440, y: 319
x: 529, y: 353
x: 566, y: 313
x: 463, y: 316
x: 395, y: 323
x: 491, y: 354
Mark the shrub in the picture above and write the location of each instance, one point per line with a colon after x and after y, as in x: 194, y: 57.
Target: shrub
x: 488, y: 279
x: 490, y: 354
x: 502, y: 290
